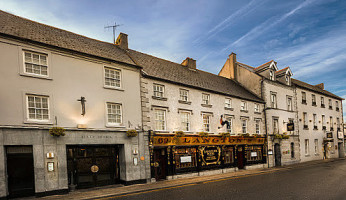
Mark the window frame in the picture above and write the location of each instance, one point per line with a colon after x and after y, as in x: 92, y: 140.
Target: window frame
x: 208, y: 124
x: 207, y: 100
x: 257, y: 108
x: 313, y: 100
x: 273, y: 100
x: 116, y: 124
x: 188, y: 122
x: 229, y: 103
x: 276, y: 129
x: 164, y: 120
x: 155, y: 86
x: 304, y: 97
x: 27, y: 112
x: 289, y: 105
x: 307, y: 147
x: 245, y: 106
x: 22, y: 70
x: 180, y: 95
x: 104, y: 77
x: 258, y: 125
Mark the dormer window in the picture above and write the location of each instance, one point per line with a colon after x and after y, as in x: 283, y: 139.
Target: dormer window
x: 287, y: 80
x: 271, y: 75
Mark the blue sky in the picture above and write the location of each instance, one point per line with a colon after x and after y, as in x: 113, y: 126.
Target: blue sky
x: 307, y: 35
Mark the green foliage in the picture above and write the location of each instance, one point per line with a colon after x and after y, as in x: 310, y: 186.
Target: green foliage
x: 57, y: 131
x: 131, y: 133
x: 245, y: 134
x: 203, y: 134
x: 179, y: 134
x: 224, y: 135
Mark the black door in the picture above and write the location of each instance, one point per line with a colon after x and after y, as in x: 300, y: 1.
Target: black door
x: 160, y: 162
x: 277, y: 155
x: 240, y: 157
x: 91, y: 166
x: 20, y: 171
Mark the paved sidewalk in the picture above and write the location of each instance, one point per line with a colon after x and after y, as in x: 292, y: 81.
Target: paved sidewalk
x: 103, y: 192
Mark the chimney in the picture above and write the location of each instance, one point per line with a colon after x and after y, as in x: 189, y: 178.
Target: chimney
x: 122, y: 41
x: 321, y: 85
x: 190, y: 63
x: 229, y: 69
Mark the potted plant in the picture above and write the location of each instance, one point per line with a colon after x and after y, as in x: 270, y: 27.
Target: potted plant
x: 131, y: 133
x: 179, y: 134
x: 57, y: 131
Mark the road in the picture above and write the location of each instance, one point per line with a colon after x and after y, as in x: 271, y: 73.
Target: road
x: 319, y: 181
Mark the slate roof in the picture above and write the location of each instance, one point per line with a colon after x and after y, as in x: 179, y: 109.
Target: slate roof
x: 25, y: 29
x: 314, y: 88
x: 157, y: 68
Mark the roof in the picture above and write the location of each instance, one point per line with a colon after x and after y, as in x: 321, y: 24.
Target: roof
x: 314, y: 88
x: 165, y: 70
x: 25, y: 29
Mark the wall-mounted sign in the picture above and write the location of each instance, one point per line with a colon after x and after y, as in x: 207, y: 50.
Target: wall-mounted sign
x: 135, y: 161
x: 340, y: 135
x: 50, y: 166
x: 210, y: 155
x: 50, y: 155
x: 290, y: 126
x: 185, y: 159
x: 329, y: 134
x: 254, y: 154
x: 211, y: 140
x: 270, y: 152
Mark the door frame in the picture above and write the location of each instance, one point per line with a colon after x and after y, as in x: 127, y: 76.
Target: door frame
x: 29, y: 154
x: 156, y: 165
x: 277, y: 154
x: 241, y: 165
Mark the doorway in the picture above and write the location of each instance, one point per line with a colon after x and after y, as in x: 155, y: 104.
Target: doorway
x: 241, y: 157
x: 20, y: 171
x: 160, y: 164
x: 92, y: 166
x: 277, y: 154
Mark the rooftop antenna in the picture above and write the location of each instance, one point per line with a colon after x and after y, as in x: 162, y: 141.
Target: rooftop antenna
x: 114, y: 28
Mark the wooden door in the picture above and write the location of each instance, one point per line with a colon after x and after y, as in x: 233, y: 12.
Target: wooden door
x: 277, y: 155
x: 160, y: 164
x: 241, y: 157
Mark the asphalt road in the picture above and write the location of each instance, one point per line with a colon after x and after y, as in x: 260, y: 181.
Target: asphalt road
x: 319, y: 181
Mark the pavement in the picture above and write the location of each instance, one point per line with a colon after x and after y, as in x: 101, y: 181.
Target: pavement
x: 115, y: 191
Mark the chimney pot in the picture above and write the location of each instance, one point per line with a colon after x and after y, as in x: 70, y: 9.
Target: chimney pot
x: 190, y: 63
x: 122, y: 41
x: 321, y: 85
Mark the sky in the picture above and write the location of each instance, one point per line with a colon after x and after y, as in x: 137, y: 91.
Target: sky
x: 309, y: 36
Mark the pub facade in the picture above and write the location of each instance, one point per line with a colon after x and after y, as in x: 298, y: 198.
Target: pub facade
x: 198, y: 122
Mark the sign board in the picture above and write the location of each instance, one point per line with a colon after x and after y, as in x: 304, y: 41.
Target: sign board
x: 290, y: 126
x: 254, y: 154
x: 211, y: 140
x: 210, y: 155
x: 50, y: 166
x: 340, y: 135
x: 270, y: 152
x: 185, y: 159
x: 329, y: 134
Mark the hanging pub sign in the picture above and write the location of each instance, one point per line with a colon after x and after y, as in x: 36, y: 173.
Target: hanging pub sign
x: 290, y: 126
x: 210, y: 155
x: 329, y: 134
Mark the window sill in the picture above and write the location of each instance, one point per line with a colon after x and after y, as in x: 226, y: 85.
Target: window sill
x: 162, y: 131
x: 38, y: 122
x: 307, y: 155
x: 113, y: 88
x: 159, y: 98
x: 231, y: 109
x: 304, y: 103
x: 36, y: 76
x: 314, y: 105
x: 206, y: 105
x: 245, y: 111
x: 184, y: 102
x: 257, y: 112
x: 115, y: 126
x: 323, y: 106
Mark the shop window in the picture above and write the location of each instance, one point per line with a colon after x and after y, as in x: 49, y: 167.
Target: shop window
x: 228, y: 155
x: 185, y: 158
x: 254, y: 153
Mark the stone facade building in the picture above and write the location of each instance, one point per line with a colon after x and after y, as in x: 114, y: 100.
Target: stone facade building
x: 181, y: 99
x: 54, y: 78
x: 320, y: 116
x: 287, y: 115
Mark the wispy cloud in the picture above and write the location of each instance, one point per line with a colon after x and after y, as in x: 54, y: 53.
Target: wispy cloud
x: 228, y: 21
x: 265, y: 26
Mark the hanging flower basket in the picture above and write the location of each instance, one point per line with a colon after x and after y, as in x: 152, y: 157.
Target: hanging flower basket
x: 224, y: 135
x: 131, y: 133
x: 57, y: 131
x: 179, y: 134
x: 203, y: 134
x: 245, y: 134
